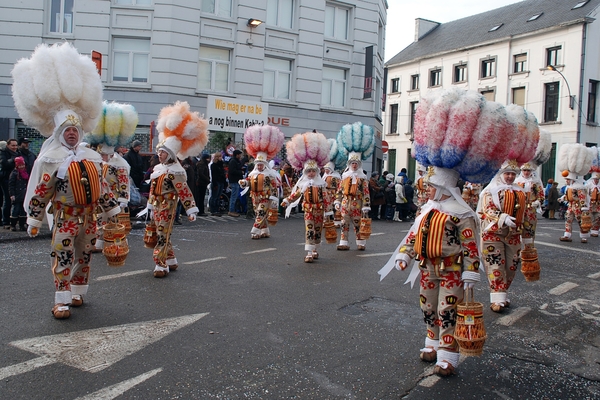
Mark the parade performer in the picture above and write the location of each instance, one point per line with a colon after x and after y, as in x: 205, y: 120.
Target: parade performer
x: 262, y: 143
x: 115, y: 128
x: 458, y: 134
x: 420, y: 188
x: 309, y: 151
x: 533, y: 188
x: 59, y: 92
x: 575, y: 160
x: 352, y: 198
x: 181, y: 134
x: 471, y: 192
x: 501, y: 208
x: 593, y: 185
x: 332, y: 178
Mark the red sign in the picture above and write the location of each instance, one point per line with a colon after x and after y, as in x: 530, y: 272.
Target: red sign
x: 97, y: 59
x: 384, y: 146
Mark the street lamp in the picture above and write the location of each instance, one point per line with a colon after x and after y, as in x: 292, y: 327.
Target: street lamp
x: 571, y: 98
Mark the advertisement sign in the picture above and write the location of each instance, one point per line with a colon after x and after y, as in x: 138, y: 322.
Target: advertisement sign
x: 227, y: 114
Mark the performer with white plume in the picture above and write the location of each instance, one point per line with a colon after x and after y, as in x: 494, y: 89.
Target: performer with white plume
x: 458, y: 134
x: 309, y: 151
x: 181, y: 134
x: 115, y: 128
x: 262, y: 143
x: 593, y: 185
x: 332, y: 178
x: 352, y: 198
x: 534, y: 188
x: 575, y: 160
x: 59, y: 92
x: 502, y: 206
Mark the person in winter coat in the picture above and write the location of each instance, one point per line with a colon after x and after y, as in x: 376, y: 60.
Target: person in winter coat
x: 377, y: 195
x: 401, y: 204
x: 553, y: 203
x: 7, y: 164
x: 17, y: 187
x: 217, y: 181
x: 202, y: 181
x: 136, y: 162
x: 390, y: 197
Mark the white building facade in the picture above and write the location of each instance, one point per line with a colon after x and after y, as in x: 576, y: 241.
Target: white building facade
x: 505, y: 56
x: 313, y: 64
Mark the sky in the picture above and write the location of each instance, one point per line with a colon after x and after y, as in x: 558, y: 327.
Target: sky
x: 401, y: 15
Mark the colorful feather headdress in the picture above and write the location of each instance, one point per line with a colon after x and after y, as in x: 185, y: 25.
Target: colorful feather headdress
x: 116, y: 127
x: 263, y: 142
x: 574, y: 159
x: 57, y: 78
x: 355, y: 142
x: 542, y: 152
x: 308, y: 150
x: 460, y: 130
x: 181, y: 132
x: 595, y: 168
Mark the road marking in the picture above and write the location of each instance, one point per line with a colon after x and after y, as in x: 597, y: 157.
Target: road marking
x: 594, y: 276
x: 203, y: 261
x: 118, y: 389
x: 567, y: 248
x: 115, y: 276
x: 261, y: 251
x: 95, y: 349
x: 376, y: 254
x: 378, y: 233
x: 563, y: 288
x: 513, y: 317
x: 431, y: 380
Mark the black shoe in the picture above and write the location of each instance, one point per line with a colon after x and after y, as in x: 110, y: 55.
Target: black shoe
x: 203, y: 215
x: 177, y: 222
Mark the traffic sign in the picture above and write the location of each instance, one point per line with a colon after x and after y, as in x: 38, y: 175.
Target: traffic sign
x: 384, y: 146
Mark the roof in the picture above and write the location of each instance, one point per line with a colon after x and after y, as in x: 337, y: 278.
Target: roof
x: 475, y: 30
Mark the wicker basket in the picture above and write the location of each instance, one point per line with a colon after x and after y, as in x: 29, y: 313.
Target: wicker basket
x: 469, y: 332
x: 113, y: 231
x: 124, y: 219
x: 272, y: 216
x: 116, y: 253
x: 530, y: 266
x: 150, y: 236
x: 330, y: 231
x: 586, y: 222
x: 365, y: 228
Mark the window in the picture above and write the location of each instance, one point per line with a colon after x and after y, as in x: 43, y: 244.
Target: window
x: 551, y: 102
x: 61, y: 16
x: 277, y: 78
x: 412, y: 112
x: 460, y: 73
x: 280, y: 13
x: 435, y: 77
x: 213, y: 69
x: 131, y: 60
x: 580, y: 4
x: 337, y: 20
x: 520, y: 63
x: 553, y: 55
x: 592, y: 101
x: 495, y: 27
x: 380, y: 36
x: 414, y: 82
x: 134, y: 2
x: 488, y: 68
x: 333, y: 87
x: 395, y: 85
x: 518, y: 96
x: 536, y: 16
x: 393, y: 118
x: 489, y: 94
x: 222, y: 8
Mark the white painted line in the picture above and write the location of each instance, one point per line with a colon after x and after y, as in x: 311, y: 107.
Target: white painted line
x: 118, y: 389
x: 568, y: 248
x: 594, y: 276
x: 376, y: 254
x: 203, y: 261
x: 563, y: 288
x: 96, y: 349
x: 115, y: 276
x: 26, y: 366
x: 261, y: 251
x: 378, y: 233
x: 513, y: 317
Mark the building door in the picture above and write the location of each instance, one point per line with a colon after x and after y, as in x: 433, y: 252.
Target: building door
x: 392, y: 161
x: 411, y: 168
x: 549, y: 167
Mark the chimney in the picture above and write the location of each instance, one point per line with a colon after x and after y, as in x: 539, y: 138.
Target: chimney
x: 423, y: 27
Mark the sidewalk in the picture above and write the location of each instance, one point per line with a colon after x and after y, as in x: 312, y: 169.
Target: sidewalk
x: 7, y: 236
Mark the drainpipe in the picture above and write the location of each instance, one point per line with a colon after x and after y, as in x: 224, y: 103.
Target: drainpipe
x: 581, y: 80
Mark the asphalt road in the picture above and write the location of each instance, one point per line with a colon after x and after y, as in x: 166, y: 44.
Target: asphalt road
x: 248, y: 319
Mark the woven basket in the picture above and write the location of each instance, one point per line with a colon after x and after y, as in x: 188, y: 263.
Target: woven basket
x: 272, y: 216
x: 530, y: 266
x: 113, y: 231
x: 365, y: 228
x: 124, y: 219
x: 116, y: 253
x: 330, y: 231
x: 150, y: 236
x: 469, y: 332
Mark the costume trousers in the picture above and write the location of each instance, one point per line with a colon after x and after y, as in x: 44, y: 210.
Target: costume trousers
x: 595, y: 221
x: 261, y: 211
x: 72, y: 241
x: 501, y: 257
x: 348, y: 219
x: 313, y: 222
x: 573, y: 214
x: 164, y: 215
x: 440, y: 293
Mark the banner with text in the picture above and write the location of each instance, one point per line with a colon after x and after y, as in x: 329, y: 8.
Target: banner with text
x: 234, y: 115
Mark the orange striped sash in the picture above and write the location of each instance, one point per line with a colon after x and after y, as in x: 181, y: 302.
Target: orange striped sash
x: 430, y: 236
x: 257, y: 183
x: 511, y: 199
x: 348, y: 188
x: 595, y: 195
x: 85, y: 182
x: 158, y: 184
x: 311, y: 195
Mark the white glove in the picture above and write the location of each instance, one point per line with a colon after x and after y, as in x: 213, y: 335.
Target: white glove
x: 274, y: 204
x: 469, y: 284
x: 192, y: 217
x: 123, y: 205
x: 535, y: 204
x: 284, y: 203
x: 366, y: 209
x: 30, y: 231
x: 510, y: 222
x: 401, y: 265
x: 337, y: 206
